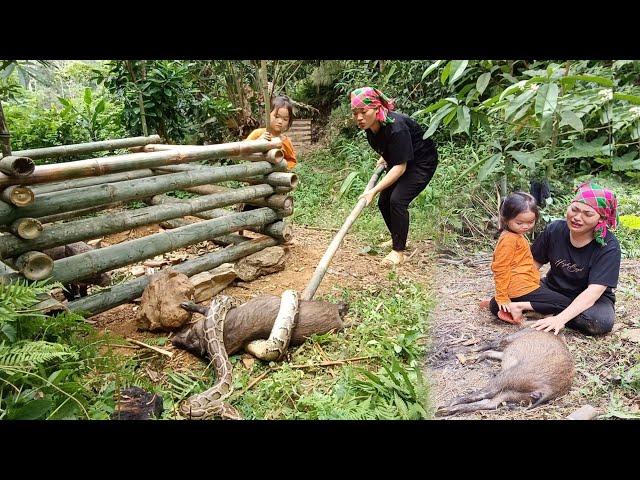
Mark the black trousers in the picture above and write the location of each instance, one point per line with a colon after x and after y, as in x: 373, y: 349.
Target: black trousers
x: 595, y: 320
x: 394, y: 201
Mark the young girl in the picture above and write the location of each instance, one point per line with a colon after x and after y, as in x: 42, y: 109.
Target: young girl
x: 515, y: 273
x: 281, y: 118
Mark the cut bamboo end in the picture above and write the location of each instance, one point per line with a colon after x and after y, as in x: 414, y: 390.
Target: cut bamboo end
x: 18, y: 196
x: 35, y: 265
x: 275, y: 156
x: 27, y: 228
x: 17, y: 166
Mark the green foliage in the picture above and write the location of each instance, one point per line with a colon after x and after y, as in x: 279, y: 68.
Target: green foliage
x: 388, y: 327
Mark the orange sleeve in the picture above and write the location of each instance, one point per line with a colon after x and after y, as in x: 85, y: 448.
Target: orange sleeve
x: 256, y: 134
x: 289, y: 153
x: 501, y: 266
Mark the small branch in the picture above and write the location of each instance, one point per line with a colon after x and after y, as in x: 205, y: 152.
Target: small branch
x: 151, y: 347
x: 320, y: 364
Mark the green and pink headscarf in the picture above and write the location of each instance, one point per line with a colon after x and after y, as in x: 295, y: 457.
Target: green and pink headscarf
x: 604, y: 202
x: 367, y: 97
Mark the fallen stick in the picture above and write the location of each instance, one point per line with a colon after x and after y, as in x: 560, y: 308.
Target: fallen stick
x: 151, y: 347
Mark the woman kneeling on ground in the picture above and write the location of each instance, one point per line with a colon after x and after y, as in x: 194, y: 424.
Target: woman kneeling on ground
x: 584, y: 258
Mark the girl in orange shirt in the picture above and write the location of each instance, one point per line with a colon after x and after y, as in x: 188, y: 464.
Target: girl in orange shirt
x: 514, y: 271
x: 281, y: 119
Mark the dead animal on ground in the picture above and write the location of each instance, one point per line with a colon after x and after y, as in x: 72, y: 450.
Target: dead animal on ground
x: 536, y: 367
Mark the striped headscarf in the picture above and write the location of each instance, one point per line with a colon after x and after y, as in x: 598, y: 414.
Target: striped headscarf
x: 604, y: 202
x: 367, y: 97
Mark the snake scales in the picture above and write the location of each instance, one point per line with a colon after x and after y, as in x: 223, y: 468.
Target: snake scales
x: 211, y: 403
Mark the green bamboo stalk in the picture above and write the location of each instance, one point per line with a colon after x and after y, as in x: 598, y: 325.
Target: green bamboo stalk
x: 63, y: 234
x: 128, y: 291
x: 17, y: 166
x: 58, y: 202
x: 89, y: 181
x: 137, y: 161
x: 89, y: 147
x: 18, y: 196
x: 89, y: 264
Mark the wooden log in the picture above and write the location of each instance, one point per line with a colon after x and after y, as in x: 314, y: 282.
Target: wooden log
x: 58, y: 202
x: 87, y: 182
x: 137, y: 161
x: 34, y: 265
x: 26, y: 228
x: 89, y: 147
x: 255, y: 319
x: 89, y: 264
x: 322, y: 267
x: 18, y: 196
x: 128, y: 291
x: 62, y: 234
x: 17, y: 166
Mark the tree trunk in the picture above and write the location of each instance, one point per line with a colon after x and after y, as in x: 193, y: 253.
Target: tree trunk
x: 126, y: 292
x: 89, y: 147
x: 5, y: 136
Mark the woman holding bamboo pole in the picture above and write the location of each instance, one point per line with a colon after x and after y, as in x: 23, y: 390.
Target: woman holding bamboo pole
x: 409, y: 161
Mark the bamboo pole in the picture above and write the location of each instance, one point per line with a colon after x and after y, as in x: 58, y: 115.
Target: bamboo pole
x: 76, y: 213
x: 58, y: 202
x: 322, y: 267
x: 128, y: 291
x: 280, y: 229
x: 272, y: 156
x: 17, y: 166
x: 138, y: 161
x: 89, y: 147
x: 276, y: 179
x: 18, y: 196
x: 34, y: 265
x: 63, y: 234
x: 89, y: 264
x: 27, y: 228
x: 89, y: 181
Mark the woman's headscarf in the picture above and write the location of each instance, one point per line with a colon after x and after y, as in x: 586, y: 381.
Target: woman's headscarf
x: 367, y: 97
x: 604, y: 202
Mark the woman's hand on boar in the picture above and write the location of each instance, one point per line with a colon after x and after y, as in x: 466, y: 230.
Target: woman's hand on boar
x: 549, y: 323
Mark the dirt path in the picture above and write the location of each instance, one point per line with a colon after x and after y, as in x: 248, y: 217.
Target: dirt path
x: 459, y: 323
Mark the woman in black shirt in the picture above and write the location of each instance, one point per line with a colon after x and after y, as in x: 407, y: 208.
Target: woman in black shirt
x: 584, y: 257
x: 409, y: 160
